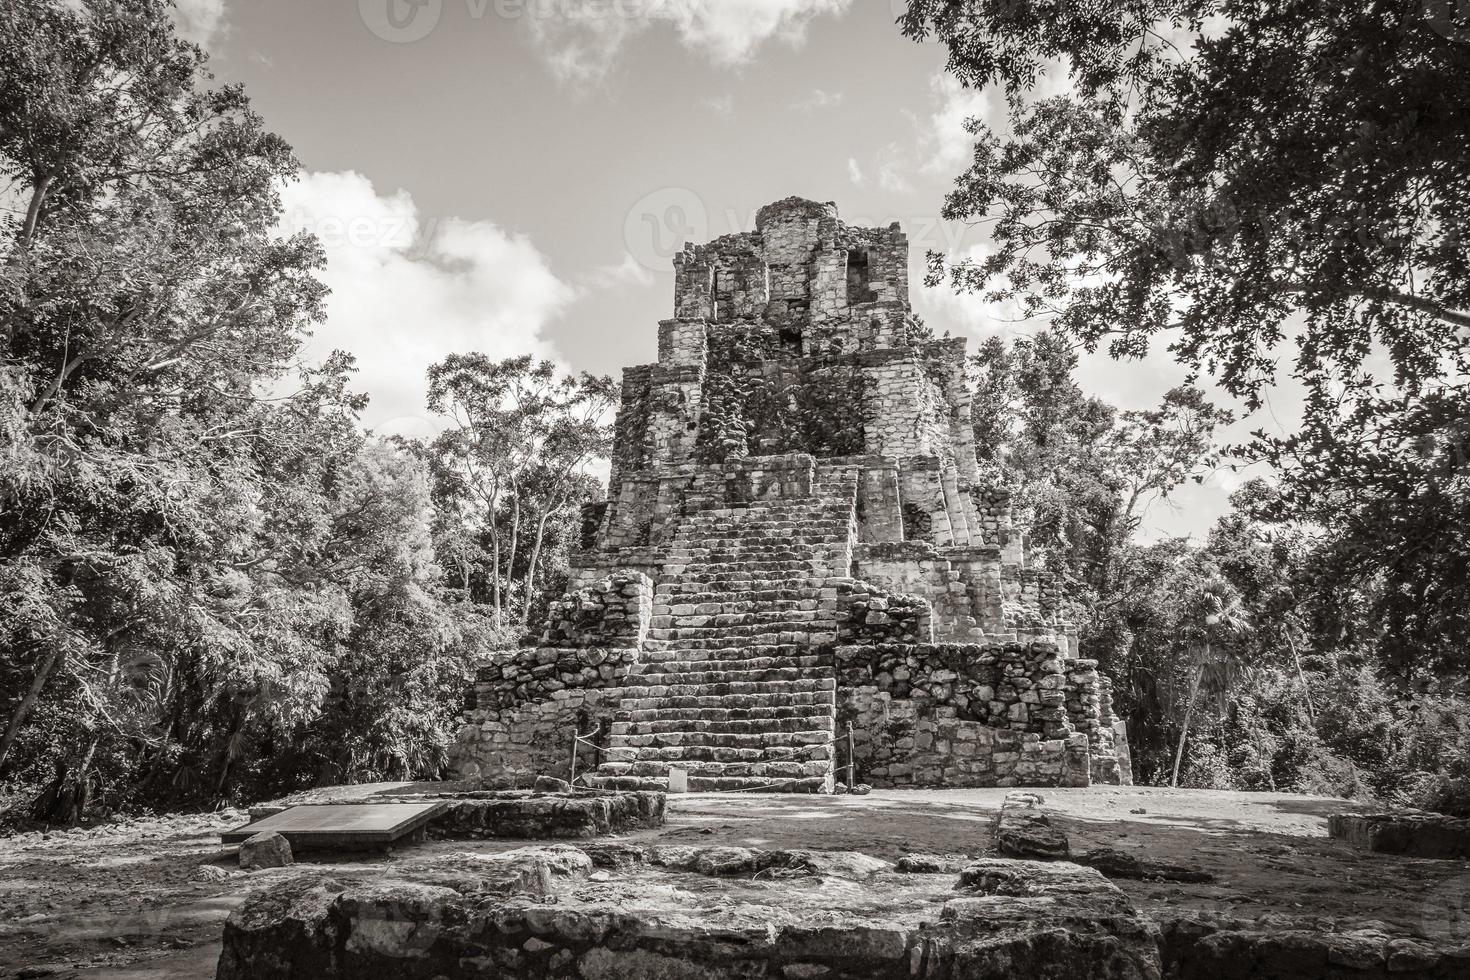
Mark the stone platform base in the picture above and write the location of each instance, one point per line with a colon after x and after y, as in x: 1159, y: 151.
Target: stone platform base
x: 1412, y: 834
x: 619, y: 910
x: 774, y: 914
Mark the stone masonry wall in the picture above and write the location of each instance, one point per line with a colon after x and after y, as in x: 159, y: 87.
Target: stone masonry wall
x: 514, y: 744
x: 613, y: 612
x: 877, y: 616
x: 527, y: 704
x: 962, y: 715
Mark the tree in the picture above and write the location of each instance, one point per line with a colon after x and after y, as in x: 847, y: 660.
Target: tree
x: 576, y: 434
x: 1082, y: 472
x: 517, y: 426
x: 1217, y: 619
x: 1244, y: 178
x: 497, y: 409
x: 204, y: 563
x: 143, y: 300
x: 1219, y: 165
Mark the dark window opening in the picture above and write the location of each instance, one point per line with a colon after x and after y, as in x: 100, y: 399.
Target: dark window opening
x: 790, y: 338
x: 859, y: 285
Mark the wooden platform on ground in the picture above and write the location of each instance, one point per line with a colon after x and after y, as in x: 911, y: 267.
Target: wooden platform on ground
x: 342, y: 825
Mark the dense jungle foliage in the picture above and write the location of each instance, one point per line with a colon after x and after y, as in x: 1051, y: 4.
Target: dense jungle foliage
x: 213, y: 583
x: 1269, y: 190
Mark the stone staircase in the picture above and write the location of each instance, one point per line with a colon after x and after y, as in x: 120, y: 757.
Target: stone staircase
x: 736, y: 683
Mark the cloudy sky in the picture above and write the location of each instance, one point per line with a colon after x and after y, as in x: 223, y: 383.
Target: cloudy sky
x: 513, y: 175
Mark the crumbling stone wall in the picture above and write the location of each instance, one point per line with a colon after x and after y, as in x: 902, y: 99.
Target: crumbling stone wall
x: 610, y: 613
x: 876, y: 616
x: 527, y: 704
x: 963, y: 715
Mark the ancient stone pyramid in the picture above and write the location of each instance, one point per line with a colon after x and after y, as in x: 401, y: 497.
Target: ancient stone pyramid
x: 795, y: 528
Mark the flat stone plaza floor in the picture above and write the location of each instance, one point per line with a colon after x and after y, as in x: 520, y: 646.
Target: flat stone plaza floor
x: 147, y: 898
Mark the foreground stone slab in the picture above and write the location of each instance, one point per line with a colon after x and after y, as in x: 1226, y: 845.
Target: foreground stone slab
x: 1412, y: 834
x: 534, y: 817
x: 1023, y: 831
x: 835, y: 915
x: 617, y: 912
x: 349, y: 825
x: 528, y: 815
x: 1194, y: 949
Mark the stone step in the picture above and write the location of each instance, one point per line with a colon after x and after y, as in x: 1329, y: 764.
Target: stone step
x: 709, y: 614
x: 776, y: 769
x: 801, y: 739
x: 733, y: 658
x: 769, y: 569
x: 653, y: 706
x: 776, y: 549
x: 803, y: 527
x: 720, y: 640
x: 809, y: 507
x: 720, y: 675
x: 729, y: 606
x: 681, y: 593
x: 743, y: 645
x: 824, y: 723
x: 814, y: 528
x: 640, y: 692
x: 723, y: 754
x: 712, y: 784
x: 809, y: 714
x: 755, y: 632
x: 736, y: 583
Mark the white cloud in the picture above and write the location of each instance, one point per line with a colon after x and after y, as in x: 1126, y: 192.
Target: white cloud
x: 817, y: 99
x: 405, y: 294
x: 946, y: 146
x: 581, y: 43
x: 972, y: 313
x: 893, y: 169
x: 629, y: 272
x: 855, y: 172
x: 200, y: 21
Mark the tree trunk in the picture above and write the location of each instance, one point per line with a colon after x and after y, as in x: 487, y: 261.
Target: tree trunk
x: 83, y: 793
x: 495, y: 573
x: 1199, y: 674
x: 227, y: 760
x: 535, y: 557
x: 22, y: 710
x: 515, y: 531
x: 33, y: 212
x: 1302, y: 677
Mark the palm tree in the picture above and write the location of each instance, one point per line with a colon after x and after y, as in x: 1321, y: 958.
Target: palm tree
x: 1216, y: 621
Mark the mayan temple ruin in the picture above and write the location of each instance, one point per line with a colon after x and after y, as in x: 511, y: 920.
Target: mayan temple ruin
x: 796, y: 542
